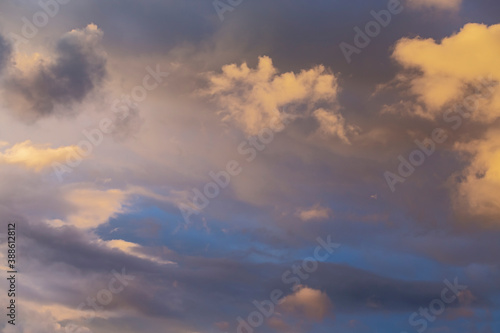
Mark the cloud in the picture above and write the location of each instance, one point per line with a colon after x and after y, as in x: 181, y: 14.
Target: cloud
x: 278, y: 324
x: 222, y: 325
x: 126, y: 127
x: 250, y: 245
x: 332, y: 123
x: 476, y: 194
x: 447, y: 69
x: 56, y: 252
x: 78, y: 66
x: 35, y: 156
x: 255, y: 98
x: 314, y: 213
x: 5, y: 52
x: 307, y: 302
x: 39, y: 322
x: 435, y: 4
x: 88, y: 207
x: 462, y: 74
x: 91, y: 207
x: 134, y: 249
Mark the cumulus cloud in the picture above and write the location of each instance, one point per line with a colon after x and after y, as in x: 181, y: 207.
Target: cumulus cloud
x: 35, y: 156
x: 462, y: 73
x: 332, y: 123
x: 256, y: 98
x: 436, y: 4
x: 477, y: 193
x: 37, y: 88
x: 307, y: 302
x: 448, y: 68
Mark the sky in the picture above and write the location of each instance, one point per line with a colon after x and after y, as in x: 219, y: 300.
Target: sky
x: 240, y: 166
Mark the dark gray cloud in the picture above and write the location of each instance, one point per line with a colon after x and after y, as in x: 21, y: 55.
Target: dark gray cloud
x: 200, y: 289
x: 78, y: 67
x: 5, y: 52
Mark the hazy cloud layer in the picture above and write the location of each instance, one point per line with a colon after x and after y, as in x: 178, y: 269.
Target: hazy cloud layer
x: 337, y: 128
x: 5, y: 52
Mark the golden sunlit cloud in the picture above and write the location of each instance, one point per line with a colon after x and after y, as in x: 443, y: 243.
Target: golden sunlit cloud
x: 332, y: 123
x: 255, y: 98
x: 35, y: 156
x: 452, y: 71
x: 478, y: 193
x: 92, y: 207
x: 448, y: 67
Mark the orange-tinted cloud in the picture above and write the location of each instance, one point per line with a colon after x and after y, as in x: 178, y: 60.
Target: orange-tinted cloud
x: 256, y: 98
x: 477, y: 193
x: 35, y: 156
x: 447, y: 68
